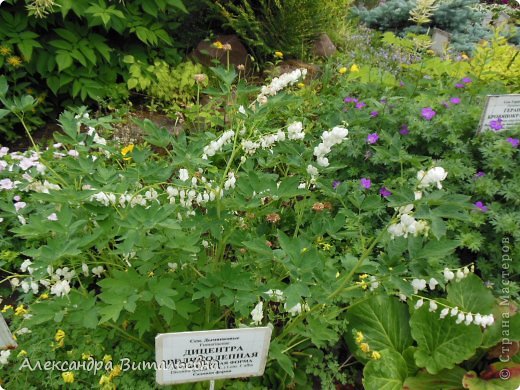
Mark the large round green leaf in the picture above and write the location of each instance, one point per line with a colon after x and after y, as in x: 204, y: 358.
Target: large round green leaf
x: 471, y: 295
x: 384, y: 322
x: 441, y: 343
x: 387, y: 373
x: 444, y: 380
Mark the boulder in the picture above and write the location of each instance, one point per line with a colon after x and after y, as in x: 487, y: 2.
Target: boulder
x: 206, y: 53
x: 323, y: 46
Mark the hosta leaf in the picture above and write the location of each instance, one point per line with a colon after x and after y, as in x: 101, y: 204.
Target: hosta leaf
x: 471, y: 295
x: 383, y: 320
x: 444, y: 380
x: 387, y: 373
x: 441, y: 343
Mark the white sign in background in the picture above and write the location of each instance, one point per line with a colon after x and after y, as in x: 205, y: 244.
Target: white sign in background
x: 208, y: 355
x: 505, y: 107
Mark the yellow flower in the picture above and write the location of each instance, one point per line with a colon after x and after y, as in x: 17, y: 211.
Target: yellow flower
x: 5, y: 51
x: 7, y: 307
x: 342, y: 70
x: 364, y: 276
x: 218, y: 44
x: 326, y: 246
x: 278, y: 54
x: 68, y: 377
x: 359, y: 337
x: 44, y: 296
x: 116, y: 371
x: 363, y: 284
x: 354, y: 68
x: 376, y: 355
x: 464, y: 57
x: 301, y: 85
x: 126, y: 150
x: 20, y: 310
x: 22, y: 353
x: 14, y: 61
x: 86, y: 356
x: 104, y: 380
x: 364, y: 347
x: 60, y: 338
x: 107, y: 358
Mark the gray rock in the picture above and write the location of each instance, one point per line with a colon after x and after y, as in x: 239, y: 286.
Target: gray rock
x: 323, y: 46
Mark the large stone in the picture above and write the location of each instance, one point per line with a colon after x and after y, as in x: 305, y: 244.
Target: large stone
x: 206, y: 53
x: 323, y: 46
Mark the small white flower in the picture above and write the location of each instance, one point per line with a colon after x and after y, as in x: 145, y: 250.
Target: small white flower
x: 448, y: 275
x: 98, y: 270
x: 52, y: 217
x: 15, y: 282
x: 26, y: 266
x: 402, y: 297
x: 275, y: 295
x: 84, y: 268
x: 454, y: 311
x: 418, y: 195
x: 418, y: 285
x: 73, y: 153
x: 433, y: 306
x: 61, y: 288
x: 460, y: 317
x: 312, y: 170
x: 433, y: 283
x: 4, y: 357
x: 173, y: 266
x: 469, y: 319
x: 183, y: 174
x: 257, y: 314
x: 444, y: 312
x: 19, y: 205
x: 419, y: 303
x: 242, y: 110
x: 460, y: 275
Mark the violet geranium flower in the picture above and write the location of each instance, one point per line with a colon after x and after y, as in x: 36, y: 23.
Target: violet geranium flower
x: 455, y: 100
x: 366, y: 183
x: 385, y: 192
x: 404, y: 130
x: 481, y: 206
x: 496, y: 124
x: 335, y: 184
x: 513, y: 141
x: 372, y: 138
x: 428, y: 113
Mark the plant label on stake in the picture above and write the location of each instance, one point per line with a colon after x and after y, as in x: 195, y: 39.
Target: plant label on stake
x: 209, y: 355
x: 7, y: 340
x: 501, y: 112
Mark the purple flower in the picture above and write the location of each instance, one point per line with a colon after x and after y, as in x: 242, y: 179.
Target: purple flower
x: 404, y: 130
x: 349, y: 99
x: 383, y: 101
x: 335, y: 184
x: 401, y: 84
x: 481, y: 206
x: 496, y: 124
x: 455, y: 100
x: 360, y: 105
x: 366, y: 183
x: 459, y: 85
x: 385, y: 192
x: 446, y: 104
x: 428, y: 113
x: 466, y: 80
x: 479, y: 174
x: 513, y: 141
x: 373, y: 114
x: 372, y: 138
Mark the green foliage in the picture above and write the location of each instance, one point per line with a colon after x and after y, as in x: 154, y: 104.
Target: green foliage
x: 169, y: 87
x: 387, y: 373
x: 286, y: 26
x: 74, y: 49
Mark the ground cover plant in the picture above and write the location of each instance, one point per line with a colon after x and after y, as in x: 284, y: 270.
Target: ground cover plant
x: 351, y: 214
x: 354, y: 210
